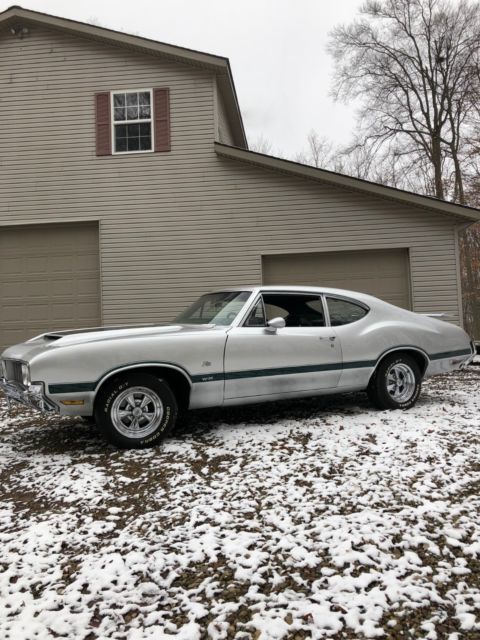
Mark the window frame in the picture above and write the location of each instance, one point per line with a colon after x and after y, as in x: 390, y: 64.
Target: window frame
x: 260, y: 295
x: 150, y: 120
x: 359, y: 303
x: 243, y: 322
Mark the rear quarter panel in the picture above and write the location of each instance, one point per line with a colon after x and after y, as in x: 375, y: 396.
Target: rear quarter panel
x: 389, y: 328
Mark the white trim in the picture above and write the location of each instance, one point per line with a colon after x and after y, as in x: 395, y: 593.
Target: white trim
x: 53, y: 220
x: 410, y: 277
x: 100, y: 226
x: 150, y: 121
x: 344, y: 248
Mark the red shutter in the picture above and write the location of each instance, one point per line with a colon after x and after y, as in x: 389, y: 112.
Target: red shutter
x: 161, y: 110
x: 103, y: 124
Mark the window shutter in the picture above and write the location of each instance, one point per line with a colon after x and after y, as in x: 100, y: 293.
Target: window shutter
x: 103, y: 124
x: 161, y: 103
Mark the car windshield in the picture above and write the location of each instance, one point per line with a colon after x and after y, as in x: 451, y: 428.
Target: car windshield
x: 219, y: 308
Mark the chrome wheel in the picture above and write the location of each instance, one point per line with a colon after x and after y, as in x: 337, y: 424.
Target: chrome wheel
x: 137, y: 412
x: 401, y: 382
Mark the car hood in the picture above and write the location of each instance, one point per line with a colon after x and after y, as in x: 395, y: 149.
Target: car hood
x: 59, y: 339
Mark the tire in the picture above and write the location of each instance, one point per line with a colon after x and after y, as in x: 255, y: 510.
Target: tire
x: 140, y: 426
x: 396, y: 383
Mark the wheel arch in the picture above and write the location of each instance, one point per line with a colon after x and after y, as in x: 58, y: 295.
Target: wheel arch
x: 420, y: 357
x: 176, y: 377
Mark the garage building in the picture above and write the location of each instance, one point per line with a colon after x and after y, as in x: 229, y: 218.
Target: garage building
x: 127, y: 189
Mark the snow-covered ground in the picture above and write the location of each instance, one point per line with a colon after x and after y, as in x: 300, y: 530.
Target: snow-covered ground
x: 313, y: 519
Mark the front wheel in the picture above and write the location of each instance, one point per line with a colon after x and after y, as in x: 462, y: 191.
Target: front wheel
x: 136, y: 411
x: 396, y: 384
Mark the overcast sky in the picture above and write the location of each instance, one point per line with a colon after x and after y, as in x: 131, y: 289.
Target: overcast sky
x: 277, y: 49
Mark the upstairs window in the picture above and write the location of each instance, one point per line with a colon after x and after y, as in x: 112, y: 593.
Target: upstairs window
x: 132, y: 121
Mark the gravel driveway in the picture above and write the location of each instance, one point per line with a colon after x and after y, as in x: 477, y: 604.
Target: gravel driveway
x: 313, y: 519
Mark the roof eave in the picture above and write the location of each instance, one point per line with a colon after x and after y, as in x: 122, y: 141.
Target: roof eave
x: 227, y: 87
x: 348, y: 182
x: 211, y: 62
x: 198, y: 58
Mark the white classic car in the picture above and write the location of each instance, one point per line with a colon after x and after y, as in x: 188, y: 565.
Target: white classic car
x: 233, y: 347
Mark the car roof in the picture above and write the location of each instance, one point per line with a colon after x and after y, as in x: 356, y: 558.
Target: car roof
x: 361, y: 297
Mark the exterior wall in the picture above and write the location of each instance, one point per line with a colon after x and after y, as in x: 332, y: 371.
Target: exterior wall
x: 50, y: 173
x: 223, y: 129
x: 176, y: 224
x: 269, y: 212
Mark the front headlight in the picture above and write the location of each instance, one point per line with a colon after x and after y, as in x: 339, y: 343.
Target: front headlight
x: 25, y: 375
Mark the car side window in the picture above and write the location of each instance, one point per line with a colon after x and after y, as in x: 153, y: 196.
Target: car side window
x: 274, y: 311
x: 256, y: 317
x: 344, y: 312
x: 298, y: 310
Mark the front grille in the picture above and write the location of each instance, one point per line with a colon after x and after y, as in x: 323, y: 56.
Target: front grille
x: 13, y: 370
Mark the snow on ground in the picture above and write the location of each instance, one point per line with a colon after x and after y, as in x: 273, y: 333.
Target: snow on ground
x: 310, y: 519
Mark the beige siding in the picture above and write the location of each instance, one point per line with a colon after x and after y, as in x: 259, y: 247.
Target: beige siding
x: 384, y: 273
x: 173, y: 225
x: 223, y: 128
x: 274, y: 213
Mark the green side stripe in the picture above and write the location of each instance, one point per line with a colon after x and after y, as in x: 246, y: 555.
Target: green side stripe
x: 281, y: 371
x: 359, y: 365
x: 232, y: 375
x: 258, y: 373
x: 450, y: 354
x: 208, y: 377
x: 71, y: 388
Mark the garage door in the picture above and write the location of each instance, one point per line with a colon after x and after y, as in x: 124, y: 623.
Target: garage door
x: 49, y: 279
x: 384, y: 274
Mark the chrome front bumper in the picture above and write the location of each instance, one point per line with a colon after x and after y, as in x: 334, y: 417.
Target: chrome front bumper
x: 31, y: 397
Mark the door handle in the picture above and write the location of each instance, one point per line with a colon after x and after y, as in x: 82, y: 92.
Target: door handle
x: 332, y: 338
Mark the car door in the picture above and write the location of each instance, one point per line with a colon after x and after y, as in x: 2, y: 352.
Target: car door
x: 305, y: 355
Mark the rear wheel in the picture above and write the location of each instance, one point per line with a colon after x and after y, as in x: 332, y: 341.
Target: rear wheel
x: 136, y: 411
x: 396, y: 384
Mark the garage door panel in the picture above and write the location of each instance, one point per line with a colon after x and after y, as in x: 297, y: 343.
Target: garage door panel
x: 88, y: 286
x: 382, y: 273
x: 49, y: 279
x: 13, y: 266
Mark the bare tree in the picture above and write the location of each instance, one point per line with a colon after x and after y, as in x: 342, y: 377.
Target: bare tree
x: 359, y: 161
x: 320, y: 152
x: 355, y: 159
x: 413, y: 65
x: 470, y: 266
x: 261, y: 145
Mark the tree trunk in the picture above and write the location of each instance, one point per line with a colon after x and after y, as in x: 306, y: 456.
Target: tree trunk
x: 437, y: 168
x: 460, y: 191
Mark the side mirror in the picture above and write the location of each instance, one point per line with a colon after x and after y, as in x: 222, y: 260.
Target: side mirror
x: 274, y: 324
